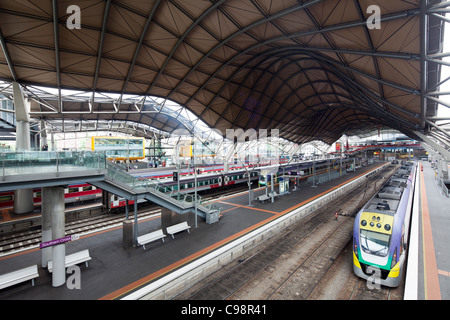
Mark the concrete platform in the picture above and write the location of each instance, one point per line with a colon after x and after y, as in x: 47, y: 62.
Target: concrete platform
x: 114, y: 272
x: 428, y: 272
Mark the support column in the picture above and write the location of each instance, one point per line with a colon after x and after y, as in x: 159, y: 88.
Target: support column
x: 55, y: 199
x: 46, y: 210
x: 135, y: 222
x: 23, y: 198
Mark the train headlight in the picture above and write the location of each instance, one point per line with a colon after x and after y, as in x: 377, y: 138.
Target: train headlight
x: 378, y: 225
x: 372, y: 224
x: 363, y: 223
x: 394, y: 258
x: 355, y: 247
x: 387, y: 227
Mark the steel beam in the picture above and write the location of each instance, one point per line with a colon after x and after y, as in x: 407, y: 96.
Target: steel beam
x: 445, y: 153
x: 7, y: 56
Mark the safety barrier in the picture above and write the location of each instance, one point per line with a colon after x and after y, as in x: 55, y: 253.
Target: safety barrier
x: 190, y: 274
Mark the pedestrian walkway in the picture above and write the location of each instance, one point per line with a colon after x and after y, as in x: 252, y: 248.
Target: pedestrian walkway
x: 428, y: 271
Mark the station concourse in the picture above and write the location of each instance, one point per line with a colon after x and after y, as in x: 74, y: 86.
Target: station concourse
x: 112, y: 272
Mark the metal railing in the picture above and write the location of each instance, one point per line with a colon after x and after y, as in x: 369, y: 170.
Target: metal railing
x: 32, y: 162
x: 158, y: 188
x: 441, y: 185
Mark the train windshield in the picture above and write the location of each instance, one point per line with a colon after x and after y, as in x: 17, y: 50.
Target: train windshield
x: 375, y: 243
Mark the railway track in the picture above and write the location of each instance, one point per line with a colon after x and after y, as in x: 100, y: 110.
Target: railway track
x: 292, y: 265
x: 31, y: 239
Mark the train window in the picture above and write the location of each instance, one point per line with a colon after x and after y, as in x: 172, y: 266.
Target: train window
x: 72, y: 190
x: 6, y: 198
x: 87, y: 188
x: 375, y: 243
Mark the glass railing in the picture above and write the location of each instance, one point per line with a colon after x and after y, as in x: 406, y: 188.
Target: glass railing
x: 32, y: 162
x: 156, y: 187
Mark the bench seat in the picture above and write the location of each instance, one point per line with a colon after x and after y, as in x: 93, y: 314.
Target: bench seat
x: 18, y: 276
x: 149, y: 237
x: 73, y: 259
x: 178, y: 228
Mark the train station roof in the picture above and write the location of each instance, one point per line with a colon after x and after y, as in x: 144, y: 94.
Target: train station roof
x: 313, y: 69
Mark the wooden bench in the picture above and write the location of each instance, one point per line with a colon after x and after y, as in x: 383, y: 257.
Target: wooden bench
x: 178, y: 228
x: 18, y: 276
x: 73, y: 259
x: 149, y: 237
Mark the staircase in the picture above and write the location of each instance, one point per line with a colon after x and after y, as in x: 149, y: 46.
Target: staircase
x: 120, y: 182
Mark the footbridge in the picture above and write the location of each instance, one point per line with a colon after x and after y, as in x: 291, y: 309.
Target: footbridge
x: 35, y: 169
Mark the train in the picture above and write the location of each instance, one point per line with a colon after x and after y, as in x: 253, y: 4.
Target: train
x: 72, y: 194
x: 237, y: 175
x: 381, y: 230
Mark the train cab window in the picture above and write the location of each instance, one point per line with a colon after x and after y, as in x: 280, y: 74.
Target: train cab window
x: 72, y: 190
x: 375, y: 243
x: 87, y: 188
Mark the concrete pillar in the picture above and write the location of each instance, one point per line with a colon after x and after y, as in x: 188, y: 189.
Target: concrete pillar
x: 23, y: 198
x: 54, y: 198
x: 46, y: 210
x: 169, y: 218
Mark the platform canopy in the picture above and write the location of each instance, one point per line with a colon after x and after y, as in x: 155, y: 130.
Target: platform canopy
x: 313, y: 69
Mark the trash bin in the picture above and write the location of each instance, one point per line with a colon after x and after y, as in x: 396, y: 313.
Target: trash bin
x: 127, y: 234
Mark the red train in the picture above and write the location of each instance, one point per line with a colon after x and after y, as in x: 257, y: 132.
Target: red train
x: 74, y: 193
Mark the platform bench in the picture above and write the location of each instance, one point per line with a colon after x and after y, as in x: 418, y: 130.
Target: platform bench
x: 149, y: 237
x: 18, y: 276
x: 178, y: 228
x: 73, y: 259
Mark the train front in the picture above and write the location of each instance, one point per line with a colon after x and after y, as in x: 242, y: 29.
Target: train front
x: 375, y: 255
